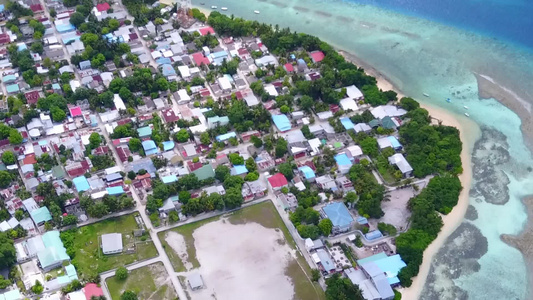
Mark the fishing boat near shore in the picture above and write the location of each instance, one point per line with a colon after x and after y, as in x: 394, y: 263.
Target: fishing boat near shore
x: 224, y: 8
x: 256, y: 11
x: 213, y: 7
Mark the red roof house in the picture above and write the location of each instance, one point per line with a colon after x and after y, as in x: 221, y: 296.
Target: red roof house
x: 206, y: 30
x: 288, y: 67
x: 317, y: 56
x: 277, y: 181
x: 32, y: 97
x: 169, y: 115
x: 36, y: 8
x: 4, y: 39
x: 29, y: 160
x: 200, y: 59
x: 91, y: 289
x: 102, y: 7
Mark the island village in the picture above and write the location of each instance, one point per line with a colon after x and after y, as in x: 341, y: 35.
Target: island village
x: 150, y: 152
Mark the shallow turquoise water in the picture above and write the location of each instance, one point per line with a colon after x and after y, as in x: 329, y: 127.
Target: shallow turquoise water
x: 421, y: 56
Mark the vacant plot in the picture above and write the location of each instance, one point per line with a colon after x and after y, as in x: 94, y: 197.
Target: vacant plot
x: 88, y: 257
x: 248, y: 254
x: 396, y: 211
x: 150, y: 282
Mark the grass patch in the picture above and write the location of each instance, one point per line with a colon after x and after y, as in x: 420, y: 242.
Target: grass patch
x: 186, y: 231
x: 150, y: 282
x: 89, y: 259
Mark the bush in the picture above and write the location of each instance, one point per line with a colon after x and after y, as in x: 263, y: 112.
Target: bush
x: 315, y: 275
x: 121, y: 273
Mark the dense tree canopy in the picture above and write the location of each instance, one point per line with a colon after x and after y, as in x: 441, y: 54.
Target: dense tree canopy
x: 341, y: 288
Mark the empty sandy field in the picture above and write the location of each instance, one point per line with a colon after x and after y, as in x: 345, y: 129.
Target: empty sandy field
x: 245, y: 255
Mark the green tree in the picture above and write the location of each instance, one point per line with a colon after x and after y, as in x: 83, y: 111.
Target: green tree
x: 258, y: 142
x: 315, y: 275
x: 5, y: 179
x: 286, y: 170
x: 7, y: 251
x: 77, y: 19
x: 409, y: 103
x: 222, y: 172
x: 15, y: 138
x: 121, y: 273
x: 281, y: 147
x: 182, y: 136
x: 341, y: 288
x: 135, y: 144
x: 129, y: 295
x: 95, y: 140
x: 8, y: 158
x: 37, y: 288
x: 173, y: 216
x: 58, y: 115
x: 306, y: 103
x: 205, y: 139
x: 325, y: 226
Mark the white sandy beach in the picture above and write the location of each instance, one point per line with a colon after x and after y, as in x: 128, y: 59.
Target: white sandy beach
x: 469, y: 132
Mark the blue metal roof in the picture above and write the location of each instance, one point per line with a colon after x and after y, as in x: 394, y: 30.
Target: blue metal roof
x: 21, y: 47
x: 282, y: 122
x: 343, y: 160
x: 219, y: 54
x: 115, y: 190
x: 347, y: 123
x: 239, y: 170
x: 9, y: 78
x: 65, y: 28
x: 144, y: 131
x: 56, y: 86
x: 169, y: 179
x: 308, y: 172
x: 2, y: 7
x: 163, y: 61
x: 168, y: 145
x: 394, y: 142
x: 372, y: 235
x: 150, y: 147
x: 391, y: 266
x: 168, y: 70
x: 40, y: 215
x: 81, y: 183
x: 12, y: 88
x: 338, y: 214
x: 225, y: 137
x: 68, y: 39
x: 362, y: 220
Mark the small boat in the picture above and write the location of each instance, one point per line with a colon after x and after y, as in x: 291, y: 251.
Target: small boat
x: 466, y: 114
x: 426, y: 94
x: 213, y: 7
x: 256, y: 11
x: 202, y: 3
x: 465, y: 107
x: 224, y: 8
x: 448, y: 100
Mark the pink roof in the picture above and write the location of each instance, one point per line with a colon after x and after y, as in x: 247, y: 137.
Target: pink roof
x: 289, y: 67
x: 199, y: 58
x: 32, y: 97
x: 102, y: 6
x: 317, y: 56
x: 91, y: 290
x: 36, y: 7
x: 169, y: 115
x: 75, y: 111
x: 277, y: 180
x: 206, y: 30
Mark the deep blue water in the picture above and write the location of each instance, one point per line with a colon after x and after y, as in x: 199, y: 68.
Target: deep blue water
x: 510, y: 20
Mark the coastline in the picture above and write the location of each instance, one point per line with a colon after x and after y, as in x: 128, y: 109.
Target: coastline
x: 469, y: 133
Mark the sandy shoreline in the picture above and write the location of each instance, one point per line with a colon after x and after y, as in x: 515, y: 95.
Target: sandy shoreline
x: 469, y: 131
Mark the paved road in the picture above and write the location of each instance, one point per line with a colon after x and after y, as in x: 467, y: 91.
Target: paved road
x: 153, y: 234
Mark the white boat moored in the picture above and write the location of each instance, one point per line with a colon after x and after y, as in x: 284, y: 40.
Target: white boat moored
x: 213, y: 7
x: 466, y: 114
x: 465, y: 107
x: 224, y: 8
x: 426, y: 94
x: 256, y: 11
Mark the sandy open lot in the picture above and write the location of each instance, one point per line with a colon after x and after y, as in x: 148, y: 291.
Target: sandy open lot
x: 177, y: 243
x: 396, y: 211
x: 244, y: 262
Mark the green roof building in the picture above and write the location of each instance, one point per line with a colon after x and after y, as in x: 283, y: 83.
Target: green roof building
x: 58, y: 172
x: 388, y: 123
x: 54, y: 253
x: 40, y: 215
x: 205, y: 172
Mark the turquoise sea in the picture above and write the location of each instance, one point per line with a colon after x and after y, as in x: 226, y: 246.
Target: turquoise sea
x: 436, y: 47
